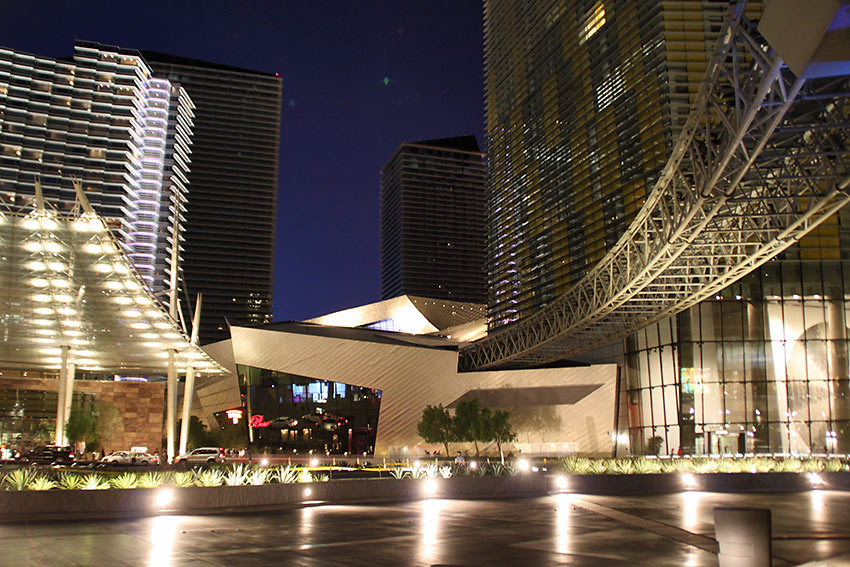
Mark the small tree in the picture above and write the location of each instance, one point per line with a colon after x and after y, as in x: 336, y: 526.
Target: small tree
x: 653, y: 445
x: 80, y: 427
x: 108, y: 424
x: 436, y: 426
x: 501, y: 430
x: 472, y: 423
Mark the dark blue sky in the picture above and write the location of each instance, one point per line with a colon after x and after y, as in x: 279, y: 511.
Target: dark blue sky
x: 359, y: 78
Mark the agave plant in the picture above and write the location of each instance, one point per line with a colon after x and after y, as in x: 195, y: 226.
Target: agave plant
x: 95, y: 482
x: 40, y: 482
x: 418, y: 472
x: 446, y: 471
x: 321, y: 478
x: 237, y: 475
x: 209, y: 477
x: 183, y: 479
x: 623, y: 466
x: 788, y: 465
x: 832, y: 465
x: 70, y: 481
x: 126, y: 480
x: 597, y: 466
x: 431, y: 471
x: 576, y: 465
x: 813, y: 465
x: 398, y: 472
x: 257, y: 477
x: 18, y: 479
x: 151, y: 480
x: 287, y: 474
x: 646, y: 466
x: 305, y: 476
x: 498, y: 469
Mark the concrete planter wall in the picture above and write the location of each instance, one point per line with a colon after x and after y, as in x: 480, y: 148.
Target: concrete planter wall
x: 632, y: 484
x: 91, y: 504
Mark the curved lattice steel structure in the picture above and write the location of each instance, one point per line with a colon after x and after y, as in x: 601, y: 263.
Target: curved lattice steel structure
x: 762, y: 160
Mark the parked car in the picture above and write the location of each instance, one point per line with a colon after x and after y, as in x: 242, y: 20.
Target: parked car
x: 201, y: 455
x: 49, y: 455
x: 128, y: 458
x: 283, y: 422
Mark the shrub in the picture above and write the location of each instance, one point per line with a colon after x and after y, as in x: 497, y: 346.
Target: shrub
x: 183, y: 478
x: 237, y: 475
x: 209, y: 477
x: 126, y: 480
x: 40, y: 482
x: 70, y: 481
x: 813, y: 465
x: 287, y: 474
x: 788, y: 465
x: 646, y: 466
x: 832, y: 465
x: 259, y: 476
x: 623, y: 466
x: 95, y: 482
x: 398, y: 472
x: 151, y: 479
x: 305, y: 476
x: 18, y: 479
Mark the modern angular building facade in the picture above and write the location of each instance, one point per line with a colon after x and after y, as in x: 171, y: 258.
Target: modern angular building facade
x: 230, y: 224
x: 584, y: 102
x: 105, y: 120
x: 433, y: 221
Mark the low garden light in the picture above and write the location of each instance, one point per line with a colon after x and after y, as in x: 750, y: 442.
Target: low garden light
x: 473, y: 465
x: 163, y: 497
x: 523, y: 465
x: 314, y: 462
x: 816, y: 480
x: 689, y: 480
x: 264, y: 462
x: 429, y: 488
x: 561, y: 482
x: 308, y: 492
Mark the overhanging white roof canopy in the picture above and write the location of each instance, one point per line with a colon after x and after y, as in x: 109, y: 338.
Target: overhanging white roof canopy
x: 65, y: 281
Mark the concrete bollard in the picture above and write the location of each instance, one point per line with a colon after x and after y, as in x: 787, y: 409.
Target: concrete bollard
x: 744, y: 536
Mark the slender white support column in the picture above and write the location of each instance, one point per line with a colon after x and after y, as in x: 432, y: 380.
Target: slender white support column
x: 189, y: 388
x: 188, y: 393
x: 171, y: 404
x: 59, y: 438
x: 69, y: 392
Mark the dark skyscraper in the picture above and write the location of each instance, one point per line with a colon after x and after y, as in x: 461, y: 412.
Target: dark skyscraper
x: 433, y: 221
x: 230, y: 219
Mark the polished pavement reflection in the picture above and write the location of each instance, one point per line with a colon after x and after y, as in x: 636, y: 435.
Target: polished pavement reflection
x: 559, y: 529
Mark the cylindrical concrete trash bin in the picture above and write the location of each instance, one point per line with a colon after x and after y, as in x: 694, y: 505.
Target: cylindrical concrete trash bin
x: 744, y: 536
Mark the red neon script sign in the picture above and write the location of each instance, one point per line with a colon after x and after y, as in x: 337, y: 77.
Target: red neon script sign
x: 258, y: 420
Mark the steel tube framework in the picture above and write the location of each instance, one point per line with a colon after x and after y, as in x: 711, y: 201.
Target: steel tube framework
x: 761, y: 161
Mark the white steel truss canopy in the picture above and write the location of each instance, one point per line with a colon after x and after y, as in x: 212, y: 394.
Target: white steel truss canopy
x: 763, y: 158
x: 66, y: 282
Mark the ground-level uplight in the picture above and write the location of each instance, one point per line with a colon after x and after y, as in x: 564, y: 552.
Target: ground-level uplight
x: 561, y: 482
x: 314, y: 462
x: 689, y: 480
x: 264, y: 462
x: 163, y: 497
x: 523, y: 465
x: 816, y: 479
x: 473, y: 465
x: 430, y: 488
x: 308, y: 492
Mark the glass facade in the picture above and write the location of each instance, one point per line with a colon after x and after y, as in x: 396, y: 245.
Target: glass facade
x: 28, y: 417
x: 763, y: 368
x: 291, y: 413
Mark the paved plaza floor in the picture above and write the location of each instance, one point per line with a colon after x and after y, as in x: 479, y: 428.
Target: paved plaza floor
x: 561, y: 529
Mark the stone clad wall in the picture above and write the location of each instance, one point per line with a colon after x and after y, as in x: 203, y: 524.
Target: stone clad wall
x: 141, y: 405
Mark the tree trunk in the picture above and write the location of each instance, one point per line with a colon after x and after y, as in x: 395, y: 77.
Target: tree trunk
x: 446, y: 445
x: 476, y: 448
x: 501, y: 455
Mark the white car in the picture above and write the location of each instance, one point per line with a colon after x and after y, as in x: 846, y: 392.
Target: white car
x: 128, y: 458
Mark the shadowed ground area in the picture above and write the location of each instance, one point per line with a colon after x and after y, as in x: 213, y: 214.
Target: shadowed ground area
x: 568, y: 529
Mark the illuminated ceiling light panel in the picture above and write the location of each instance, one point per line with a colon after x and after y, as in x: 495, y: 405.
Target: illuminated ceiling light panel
x: 51, y: 351
x: 33, y: 246
x: 71, y: 323
x: 112, y: 284
x: 142, y: 300
x: 135, y: 313
x: 120, y: 268
x: 48, y: 332
x: 36, y: 266
x: 140, y: 325
x: 131, y: 285
x: 38, y: 282
x: 48, y: 224
x: 41, y: 298
x: 61, y: 283
x: 65, y: 310
x: 152, y: 344
x: 93, y: 248
x: 71, y: 333
x: 63, y: 298
x: 149, y: 335
x: 30, y: 224
x: 162, y: 325
x: 154, y: 313
x: 43, y: 311
x: 102, y: 268
x: 42, y: 322
x: 57, y: 266
x: 123, y: 300
x: 52, y: 247
x: 43, y: 340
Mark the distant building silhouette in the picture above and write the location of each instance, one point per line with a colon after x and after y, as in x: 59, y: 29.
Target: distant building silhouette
x: 433, y: 221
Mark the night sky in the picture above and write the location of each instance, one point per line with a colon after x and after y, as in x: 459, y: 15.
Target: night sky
x: 359, y: 78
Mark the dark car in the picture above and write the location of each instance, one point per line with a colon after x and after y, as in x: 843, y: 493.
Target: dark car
x: 49, y: 455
